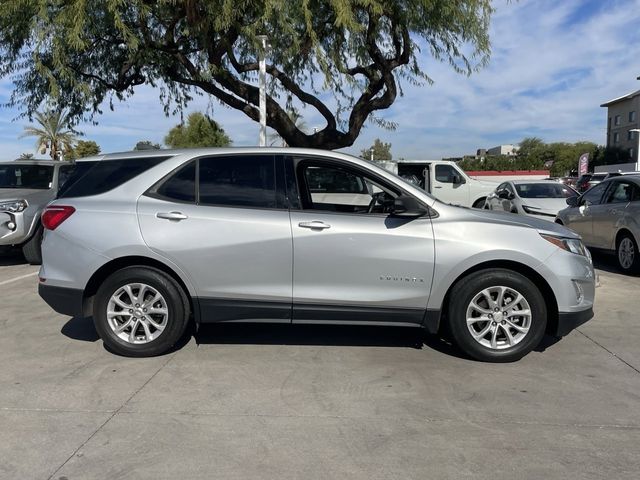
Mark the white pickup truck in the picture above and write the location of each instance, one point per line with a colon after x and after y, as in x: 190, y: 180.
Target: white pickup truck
x: 444, y: 180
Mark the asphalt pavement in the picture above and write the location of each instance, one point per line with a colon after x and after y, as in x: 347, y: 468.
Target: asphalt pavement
x: 315, y: 402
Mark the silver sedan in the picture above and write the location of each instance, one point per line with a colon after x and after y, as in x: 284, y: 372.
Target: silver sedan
x: 537, y: 198
x: 607, y: 217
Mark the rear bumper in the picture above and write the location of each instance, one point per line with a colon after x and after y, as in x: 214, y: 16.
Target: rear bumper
x: 67, y: 301
x: 568, y: 321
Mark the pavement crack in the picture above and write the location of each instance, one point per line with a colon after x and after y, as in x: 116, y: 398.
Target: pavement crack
x: 113, y: 414
x: 613, y: 354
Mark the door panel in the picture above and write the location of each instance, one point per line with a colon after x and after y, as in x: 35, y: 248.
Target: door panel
x: 232, y: 253
x: 445, y: 190
x: 581, y: 218
x: 359, y: 260
x: 608, y: 215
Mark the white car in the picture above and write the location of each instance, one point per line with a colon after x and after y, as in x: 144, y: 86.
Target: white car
x: 537, y: 198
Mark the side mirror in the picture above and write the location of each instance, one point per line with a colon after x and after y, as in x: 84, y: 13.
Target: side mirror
x: 457, y: 179
x: 572, y: 201
x: 406, y: 206
x: 504, y: 194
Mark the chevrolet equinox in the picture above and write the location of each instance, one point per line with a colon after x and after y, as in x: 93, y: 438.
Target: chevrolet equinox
x: 146, y: 242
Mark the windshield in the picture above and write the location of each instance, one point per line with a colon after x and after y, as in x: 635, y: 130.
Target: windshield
x: 26, y: 176
x: 544, y: 190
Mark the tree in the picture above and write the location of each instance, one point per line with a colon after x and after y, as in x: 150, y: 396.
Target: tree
x: 300, y: 124
x: 26, y: 156
x: 82, y: 149
x: 381, y: 151
x: 146, y: 145
x: 199, y: 131
x: 344, y: 59
x: 53, y: 133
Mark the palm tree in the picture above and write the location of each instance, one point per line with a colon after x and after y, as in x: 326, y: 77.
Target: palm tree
x: 53, y: 133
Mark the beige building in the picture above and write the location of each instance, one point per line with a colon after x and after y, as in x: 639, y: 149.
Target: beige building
x: 622, y: 116
x: 509, y: 150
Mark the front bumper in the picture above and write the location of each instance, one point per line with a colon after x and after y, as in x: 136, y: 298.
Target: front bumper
x: 67, y: 301
x: 568, y: 321
x: 15, y: 228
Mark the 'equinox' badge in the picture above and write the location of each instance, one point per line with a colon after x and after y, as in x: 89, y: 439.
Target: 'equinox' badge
x: 397, y: 278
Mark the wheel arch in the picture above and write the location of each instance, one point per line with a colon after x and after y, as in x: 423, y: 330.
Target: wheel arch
x: 525, y: 270
x: 482, y: 198
x: 621, y: 232
x: 119, y: 263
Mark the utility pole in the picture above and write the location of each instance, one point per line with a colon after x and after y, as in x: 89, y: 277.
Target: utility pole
x: 262, y: 80
x: 371, y: 154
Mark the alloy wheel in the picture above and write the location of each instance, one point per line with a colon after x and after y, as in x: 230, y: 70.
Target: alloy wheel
x: 137, y: 313
x: 498, y: 317
x: 626, y: 253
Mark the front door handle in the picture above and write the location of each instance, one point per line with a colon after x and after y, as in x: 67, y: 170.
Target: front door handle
x: 176, y: 216
x: 316, y: 224
x: 437, y: 186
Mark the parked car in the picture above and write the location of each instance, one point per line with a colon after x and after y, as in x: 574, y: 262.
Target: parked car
x: 540, y: 198
x: 444, y: 180
x: 607, y: 217
x: 144, y: 241
x: 25, y: 188
x: 585, y: 182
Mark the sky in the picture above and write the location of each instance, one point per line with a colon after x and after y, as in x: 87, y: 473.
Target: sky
x: 552, y: 65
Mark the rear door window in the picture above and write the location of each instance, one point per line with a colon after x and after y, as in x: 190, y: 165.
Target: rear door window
x: 238, y: 181
x: 94, y: 178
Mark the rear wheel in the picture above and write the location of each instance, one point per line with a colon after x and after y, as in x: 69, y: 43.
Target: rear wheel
x: 627, y: 253
x: 140, y: 312
x: 32, y: 250
x: 497, y: 315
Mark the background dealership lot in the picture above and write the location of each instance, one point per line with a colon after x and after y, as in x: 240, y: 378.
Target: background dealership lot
x: 245, y: 401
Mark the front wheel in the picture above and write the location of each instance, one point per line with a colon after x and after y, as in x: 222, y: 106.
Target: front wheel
x: 627, y: 254
x: 496, y: 315
x: 140, y: 312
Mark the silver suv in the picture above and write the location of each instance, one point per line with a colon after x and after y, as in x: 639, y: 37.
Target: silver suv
x: 25, y: 188
x: 148, y: 241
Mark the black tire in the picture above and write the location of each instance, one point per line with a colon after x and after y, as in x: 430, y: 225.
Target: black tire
x: 627, y: 240
x: 480, y: 203
x: 464, y: 291
x: 32, y: 250
x: 177, y: 303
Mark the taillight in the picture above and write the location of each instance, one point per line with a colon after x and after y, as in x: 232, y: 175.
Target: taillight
x: 54, y: 215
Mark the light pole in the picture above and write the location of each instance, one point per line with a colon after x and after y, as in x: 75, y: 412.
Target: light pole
x: 262, y: 80
x: 637, y: 132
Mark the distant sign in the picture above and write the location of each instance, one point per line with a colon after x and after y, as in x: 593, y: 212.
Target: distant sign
x: 583, y: 164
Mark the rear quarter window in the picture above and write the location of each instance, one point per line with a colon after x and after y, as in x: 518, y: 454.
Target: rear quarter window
x: 94, y: 178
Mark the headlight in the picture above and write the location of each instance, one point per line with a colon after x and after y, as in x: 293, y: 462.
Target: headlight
x: 13, y: 207
x: 572, y: 245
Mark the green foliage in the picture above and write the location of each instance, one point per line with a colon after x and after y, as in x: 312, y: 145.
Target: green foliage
x: 342, y: 58
x: 199, y: 131
x: 560, y: 157
x: 82, y: 149
x: 381, y: 151
x: 53, y: 133
x: 146, y: 145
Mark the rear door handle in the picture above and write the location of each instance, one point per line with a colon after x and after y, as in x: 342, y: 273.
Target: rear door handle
x: 177, y: 216
x: 316, y: 224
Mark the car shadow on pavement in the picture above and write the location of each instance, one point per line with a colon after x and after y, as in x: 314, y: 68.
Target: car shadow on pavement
x: 606, y: 262
x: 80, y: 328
x: 322, y: 335
x: 10, y: 258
